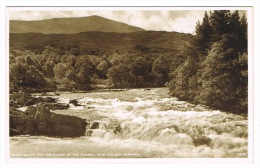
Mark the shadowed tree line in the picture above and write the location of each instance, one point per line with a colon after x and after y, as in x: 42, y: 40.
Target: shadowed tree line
x: 215, y: 71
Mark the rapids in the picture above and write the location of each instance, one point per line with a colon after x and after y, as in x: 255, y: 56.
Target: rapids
x: 141, y: 123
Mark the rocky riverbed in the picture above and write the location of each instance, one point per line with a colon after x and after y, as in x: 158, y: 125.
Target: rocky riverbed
x: 35, y: 117
x: 136, y: 123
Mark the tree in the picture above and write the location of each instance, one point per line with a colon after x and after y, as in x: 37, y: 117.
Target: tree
x: 64, y: 71
x: 214, y: 72
x: 243, y: 33
x: 242, y: 91
x: 48, y: 68
x: 182, y: 82
x: 130, y: 71
x: 220, y: 79
x: 103, y: 67
x: 85, y: 69
x: 203, y: 34
x: 161, y: 69
x: 22, y: 75
x: 219, y: 21
x: 120, y: 76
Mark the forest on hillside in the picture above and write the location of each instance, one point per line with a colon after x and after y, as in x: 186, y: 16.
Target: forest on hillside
x: 211, y: 68
x: 50, y: 70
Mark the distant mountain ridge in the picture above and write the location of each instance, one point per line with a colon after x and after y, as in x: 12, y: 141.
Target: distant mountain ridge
x: 102, y: 40
x: 91, y: 33
x: 71, y: 25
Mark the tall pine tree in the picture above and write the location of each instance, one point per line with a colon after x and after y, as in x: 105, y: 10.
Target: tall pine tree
x: 203, y: 34
x: 215, y: 71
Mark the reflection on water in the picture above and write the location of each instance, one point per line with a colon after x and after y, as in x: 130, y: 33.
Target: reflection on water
x: 141, y: 123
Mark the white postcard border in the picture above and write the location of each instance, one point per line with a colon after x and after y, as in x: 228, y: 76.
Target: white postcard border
x: 253, y: 129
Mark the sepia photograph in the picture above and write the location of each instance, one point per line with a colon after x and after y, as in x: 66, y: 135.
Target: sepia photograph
x: 129, y: 82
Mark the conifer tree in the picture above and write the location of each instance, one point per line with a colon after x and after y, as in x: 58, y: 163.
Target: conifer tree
x: 203, y: 34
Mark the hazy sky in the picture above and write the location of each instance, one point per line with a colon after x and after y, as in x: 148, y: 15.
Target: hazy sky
x: 159, y: 20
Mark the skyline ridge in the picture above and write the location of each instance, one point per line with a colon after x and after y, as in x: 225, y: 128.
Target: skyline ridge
x: 71, y: 25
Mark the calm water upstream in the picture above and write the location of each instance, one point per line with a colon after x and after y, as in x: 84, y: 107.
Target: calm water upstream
x: 152, y: 123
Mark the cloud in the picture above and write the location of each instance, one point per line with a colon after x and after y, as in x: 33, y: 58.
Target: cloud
x: 159, y: 20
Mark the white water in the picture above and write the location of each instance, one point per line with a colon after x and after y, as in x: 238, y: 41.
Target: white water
x: 151, y: 123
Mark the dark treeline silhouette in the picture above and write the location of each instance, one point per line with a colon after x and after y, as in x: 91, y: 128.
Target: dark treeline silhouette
x: 215, y: 71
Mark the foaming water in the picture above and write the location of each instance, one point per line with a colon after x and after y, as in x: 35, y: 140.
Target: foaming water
x: 143, y: 123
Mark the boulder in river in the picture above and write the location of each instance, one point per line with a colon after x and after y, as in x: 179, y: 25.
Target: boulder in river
x: 20, y: 99
x: 57, y: 106
x: 198, y: 141
x: 115, y: 127
x: 40, y: 121
x: 32, y: 101
x: 94, y: 125
x: 60, y: 106
x: 20, y: 123
x: 89, y: 132
x: 74, y: 102
x: 46, y: 99
x: 31, y: 111
x: 67, y: 126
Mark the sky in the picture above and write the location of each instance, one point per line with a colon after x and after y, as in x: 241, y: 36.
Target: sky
x: 158, y: 20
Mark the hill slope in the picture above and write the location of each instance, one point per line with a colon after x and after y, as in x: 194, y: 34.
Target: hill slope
x: 71, y: 25
x: 101, y: 40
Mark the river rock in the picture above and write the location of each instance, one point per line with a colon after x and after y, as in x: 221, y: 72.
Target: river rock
x: 116, y: 129
x: 20, y: 99
x: 57, y: 106
x: 46, y: 99
x: 198, y: 141
x: 74, y: 102
x: 42, y: 118
x: 60, y: 106
x: 30, y: 111
x: 20, y: 123
x: 67, y: 126
x: 94, y: 125
x: 89, y: 132
x: 46, y: 94
x: 40, y: 121
x: 32, y: 101
x: 13, y: 132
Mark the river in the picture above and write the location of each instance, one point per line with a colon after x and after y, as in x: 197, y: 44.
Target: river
x: 141, y: 123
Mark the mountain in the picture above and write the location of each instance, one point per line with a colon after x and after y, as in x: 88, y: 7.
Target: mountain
x: 71, y: 25
x: 92, y: 33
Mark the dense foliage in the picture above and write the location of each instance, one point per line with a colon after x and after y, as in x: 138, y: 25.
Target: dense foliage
x: 215, y: 71
x: 52, y: 70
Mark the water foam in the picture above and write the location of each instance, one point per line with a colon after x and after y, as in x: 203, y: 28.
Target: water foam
x: 156, y: 125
